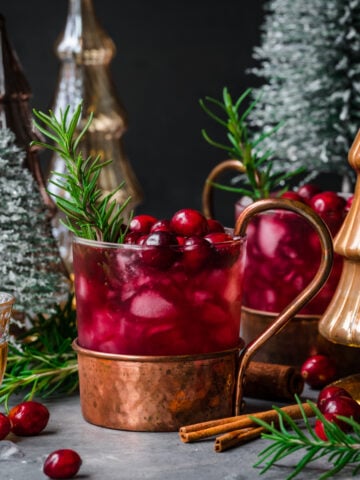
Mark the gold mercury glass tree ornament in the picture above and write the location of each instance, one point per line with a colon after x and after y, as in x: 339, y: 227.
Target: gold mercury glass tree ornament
x: 341, y: 321
x: 85, y: 52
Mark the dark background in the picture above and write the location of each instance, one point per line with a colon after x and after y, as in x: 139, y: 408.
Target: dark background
x: 169, y: 55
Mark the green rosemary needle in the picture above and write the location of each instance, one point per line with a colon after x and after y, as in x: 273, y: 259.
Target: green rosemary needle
x: 89, y: 214
x: 259, y: 179
x: 341, y: 449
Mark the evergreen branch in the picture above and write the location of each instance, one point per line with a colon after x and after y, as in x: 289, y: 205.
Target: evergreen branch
x: 341, y: 449
x: 42, y: 362
x: 86, y: 215
x: 244, y: 144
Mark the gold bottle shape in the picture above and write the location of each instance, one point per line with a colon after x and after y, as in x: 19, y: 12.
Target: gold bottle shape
x: 85, y: 52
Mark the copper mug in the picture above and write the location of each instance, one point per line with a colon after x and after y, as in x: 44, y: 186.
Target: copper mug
x: 150, y: 393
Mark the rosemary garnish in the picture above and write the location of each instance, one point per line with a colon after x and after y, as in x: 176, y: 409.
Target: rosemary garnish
x: 259, y: 179
x: 41, y: 362
x: 341, y: 449
x: 89, y: 214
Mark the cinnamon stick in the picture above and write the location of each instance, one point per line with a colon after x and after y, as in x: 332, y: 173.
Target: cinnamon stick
x: 199, y: 431
x: 272, y: 381
x: 237, y: 437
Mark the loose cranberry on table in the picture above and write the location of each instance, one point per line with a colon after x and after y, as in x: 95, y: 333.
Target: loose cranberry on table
x: 344, y: 406
x: 5, y: 426
x: 330, y: 391
x: 63, y: 463
x: 28, y: 418
x: 318, y: 371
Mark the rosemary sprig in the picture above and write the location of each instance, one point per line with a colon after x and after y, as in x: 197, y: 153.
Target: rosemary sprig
x: 88, y: 213
x: 259, y: 179
x: 341, y: 449
x: 41, y: 362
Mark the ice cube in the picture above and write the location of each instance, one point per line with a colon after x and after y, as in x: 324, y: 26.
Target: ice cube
x: 10, y: 451
x: 150, y: 303
x: 271, y: 231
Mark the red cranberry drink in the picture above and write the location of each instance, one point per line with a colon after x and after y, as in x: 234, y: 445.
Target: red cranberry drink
x: 172, y: 288
x: 284, y: 252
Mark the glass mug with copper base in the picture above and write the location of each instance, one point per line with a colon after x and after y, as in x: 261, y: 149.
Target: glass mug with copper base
x: 158, y: 340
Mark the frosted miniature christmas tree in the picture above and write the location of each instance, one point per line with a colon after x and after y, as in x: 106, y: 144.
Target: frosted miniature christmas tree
x: 309, y: 61
x: 30, y: 264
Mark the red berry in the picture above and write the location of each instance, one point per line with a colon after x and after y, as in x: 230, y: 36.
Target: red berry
x: 142, y: 223
x: 161, y: 225
x: 319, y: 426
x: 159, y: 251
x: 64, y: 463
x: 214, y: 226
x: 318, y: 371
x: 28, y: 418
x: 196, y: 252
x: 331, y: 208
x: 345, y: 406
x: 293, y: 196
x: 330, y: 391
x: 132, y: 238
x: 308, y: 190
x: 5, y: 426
x: 189, y: 222
x: 349, y: 202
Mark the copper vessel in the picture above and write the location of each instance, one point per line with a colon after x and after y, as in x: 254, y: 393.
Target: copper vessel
x: 155, y: 393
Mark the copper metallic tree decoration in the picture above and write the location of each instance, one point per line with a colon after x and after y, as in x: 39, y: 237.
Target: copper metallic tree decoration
x: 85, y: 52
x: 341, y: 321
x: 15, y: 114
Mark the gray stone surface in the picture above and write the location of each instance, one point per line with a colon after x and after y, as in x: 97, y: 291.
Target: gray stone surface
x: 119, y: 455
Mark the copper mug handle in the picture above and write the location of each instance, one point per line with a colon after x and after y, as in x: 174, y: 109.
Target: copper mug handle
x: 304, y: 297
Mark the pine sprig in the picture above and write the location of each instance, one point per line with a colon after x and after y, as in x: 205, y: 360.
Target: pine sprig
x: 341, y: 449
x: 259, y: 179
x: 89, y: 213
x: 42, y: 362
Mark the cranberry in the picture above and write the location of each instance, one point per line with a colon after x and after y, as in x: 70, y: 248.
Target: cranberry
x: 64, y: 463
x: 159, y: 252
x: 214, y: 226
x: 188, y: 222
x: 319, y: 426
x: 349, y: 202
x: 345, y: 406
x: 142, y: 223
x: 28, y: 418
x: 308, y: 190
x: 318, y: 371
x: 196, y: 252
x: 5, y: 426
x: 330, y: 207
x: 291, y: 195
x: 161, y: 225
x: 226, y: 250
x: 330, y: 391
x: 132, y: 238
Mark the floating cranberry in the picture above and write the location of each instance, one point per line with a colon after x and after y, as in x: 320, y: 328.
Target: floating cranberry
x: 188, y: 222
x: 142, y: 223
x: 197, y: 250
x: 308, y: 190
x: 227, y: 251
x: 291, y: 195
x: 345, y: 406
x: 5, y: 426
x: 318, y: 371
x: 28, y: 418
x: 331, y: 391
x: 330, y: 207
x: 161, y: 252
x: 132, y: 238
x: 214, y: 226
x: 64, y: 463
x: 161, y: 225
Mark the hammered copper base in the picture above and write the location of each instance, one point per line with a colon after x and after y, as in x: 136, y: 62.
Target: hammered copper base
x: 146, y: 393
x: 297, y: 341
